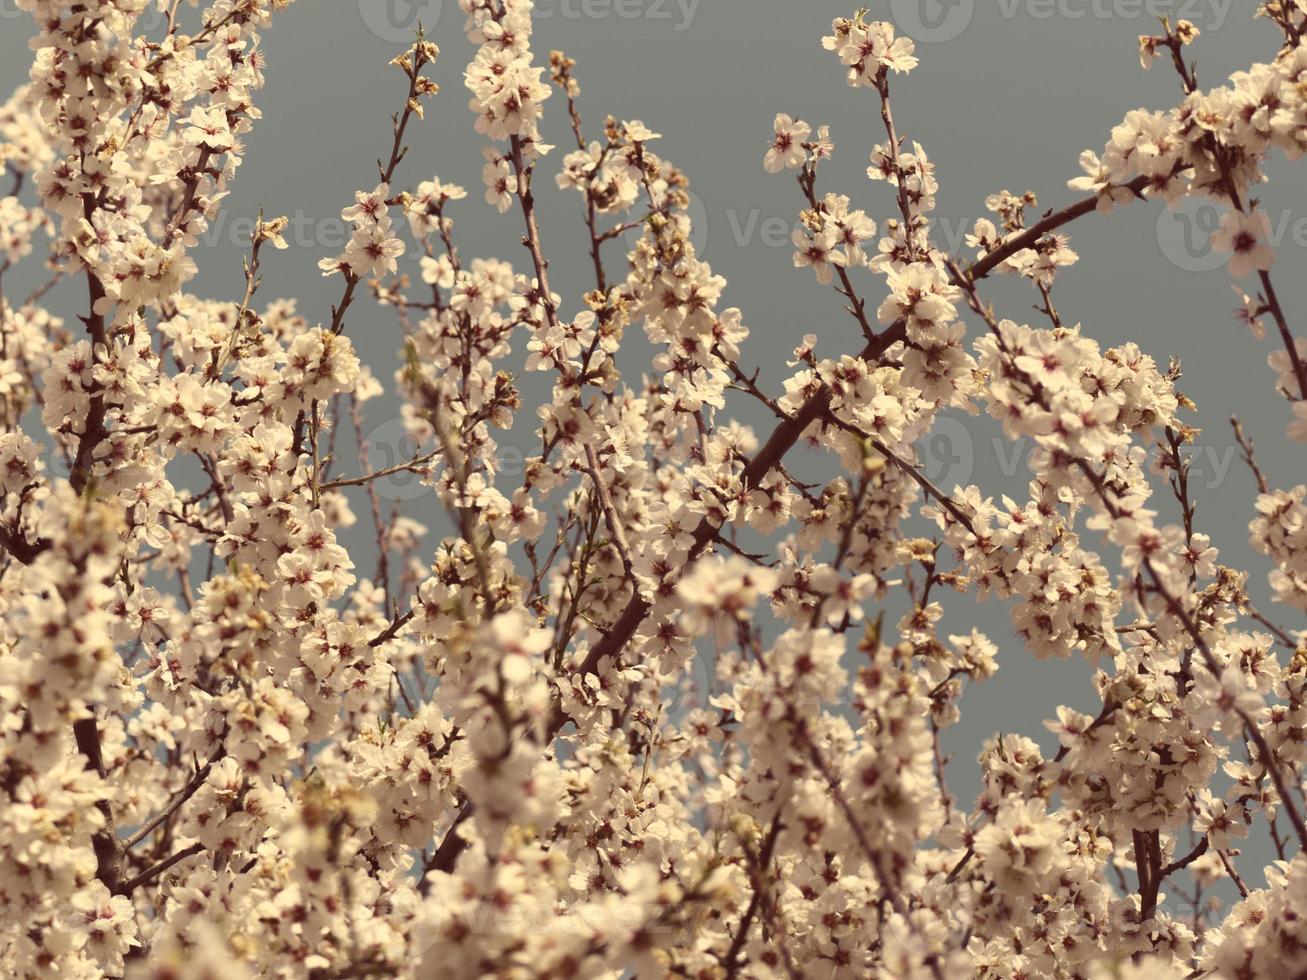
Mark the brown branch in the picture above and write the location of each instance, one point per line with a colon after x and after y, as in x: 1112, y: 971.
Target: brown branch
x: 93, y: 430
x: 1050, y: 222
x: 808, y: 181
x: 940, y: 497
x: 16, y: 544
x: 963, y: 861
x: 1249, y: 455
x: 184, y: 794
x: 1199, y: 850
x: 109, y: 851
x: 731, y: 963
x: 446, y: 855
x: 399, y: 124
x: 1146, y: 865
x: 145, y: 877
x: 390, y: 631
x: 1286, y: 335
x: 887, y: 119
x: 374, y: 506
x: 611, y: 517
x: 1225, y: 167
x: 417, y: 464
x: 192, y: 184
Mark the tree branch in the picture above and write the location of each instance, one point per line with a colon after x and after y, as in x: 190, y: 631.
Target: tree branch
x: 145, y: 877
x: 184, y: 794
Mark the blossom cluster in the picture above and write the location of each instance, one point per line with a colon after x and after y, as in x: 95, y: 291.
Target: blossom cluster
x: 670, y: 700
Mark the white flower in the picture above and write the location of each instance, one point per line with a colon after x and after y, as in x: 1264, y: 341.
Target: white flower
x: 1220, y: 700
x: 787, y: 150
x: 1246, y: 236
x: 209, y: 128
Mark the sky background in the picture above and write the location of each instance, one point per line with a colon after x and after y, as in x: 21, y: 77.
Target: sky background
x: 1008, y: 93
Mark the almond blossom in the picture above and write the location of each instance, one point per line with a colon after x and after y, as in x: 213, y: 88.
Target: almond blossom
x: 668, y: 697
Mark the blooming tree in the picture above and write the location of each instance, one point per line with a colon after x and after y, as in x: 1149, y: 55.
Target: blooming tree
x: 224, y: 753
